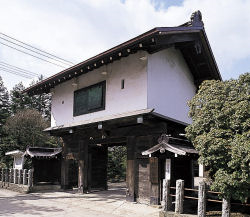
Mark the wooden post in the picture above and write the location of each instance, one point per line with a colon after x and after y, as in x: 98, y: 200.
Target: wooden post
x: 20, y: 176
x: 30, y: 178
x: 202, y: 200
x: 25, y: 177
x: 83, y: 168
x: 179, y: 198
x: 167, y: 202
x: 154, y: 179
x: 90, y: 171
x: 64, y: 167
x: 15, y: 176
x: 226, y: 208
x: 130, y: 173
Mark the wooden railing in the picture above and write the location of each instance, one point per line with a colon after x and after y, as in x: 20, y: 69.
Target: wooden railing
x: 201, y: 195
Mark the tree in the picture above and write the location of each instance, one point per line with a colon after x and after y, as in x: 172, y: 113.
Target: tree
x: 25, y: 128
x: 4, y: 107
x: 42, y: 102
x: 220, y: 132
x: 4, y: 114
x: 19, y: 100
x: 117, y: 163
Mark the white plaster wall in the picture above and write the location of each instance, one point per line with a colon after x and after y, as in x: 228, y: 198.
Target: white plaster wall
x: 170, y: 84
x: 132, y: 97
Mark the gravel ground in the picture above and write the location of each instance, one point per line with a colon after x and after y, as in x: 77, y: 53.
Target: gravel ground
x: 103, y: 203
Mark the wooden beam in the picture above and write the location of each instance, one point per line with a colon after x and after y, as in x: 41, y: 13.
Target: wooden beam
x: 108, y: 140
x: 176, y: 38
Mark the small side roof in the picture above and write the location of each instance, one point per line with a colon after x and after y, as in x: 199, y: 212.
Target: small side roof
x: 174, y: 148
x: 15, y: 152
x: 43, y: 152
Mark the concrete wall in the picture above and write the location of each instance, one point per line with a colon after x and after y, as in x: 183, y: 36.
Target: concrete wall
x: 170, y: 84
x: 132, y: 97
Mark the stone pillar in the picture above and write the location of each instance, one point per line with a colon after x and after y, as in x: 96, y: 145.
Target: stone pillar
x: 226, y: 208
x: 11, y: 179
x: 201, y: 212
x: 2, y: 173
x: 30, y: 178
x: 167, y: 202
x: 15, y: 176
x: 179, y: 198
x: 25, y: 182
x: 6, y: 178
x: 20, y: 177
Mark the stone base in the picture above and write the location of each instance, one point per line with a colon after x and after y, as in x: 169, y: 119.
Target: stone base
x: 15, y: 187
x: 172, y: 214
x: 45, y: 187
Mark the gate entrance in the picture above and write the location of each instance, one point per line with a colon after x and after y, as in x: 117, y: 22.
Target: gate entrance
x: 99, y: 167
x: 107, y: 167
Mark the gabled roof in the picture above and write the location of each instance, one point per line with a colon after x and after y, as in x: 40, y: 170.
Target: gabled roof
x: 15, y: 152
x: 165, y: 144
x: 190, y: 38
x: 43, y: 152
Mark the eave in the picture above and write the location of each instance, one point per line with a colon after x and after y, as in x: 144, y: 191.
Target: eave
x: 190, y: 39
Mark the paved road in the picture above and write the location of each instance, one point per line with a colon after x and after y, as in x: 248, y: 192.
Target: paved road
x: 105, y: 203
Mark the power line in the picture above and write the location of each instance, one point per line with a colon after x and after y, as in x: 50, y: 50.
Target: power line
x: 32, y: 55
x: 37, y: 48
x: 17, y: 68
x: 63, y: 62
x: 16, y: 73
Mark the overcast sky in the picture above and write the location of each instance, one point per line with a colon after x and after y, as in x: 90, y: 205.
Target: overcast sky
x: 78, y: 29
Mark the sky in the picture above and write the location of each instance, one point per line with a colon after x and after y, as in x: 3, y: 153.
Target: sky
x: 79, y: 29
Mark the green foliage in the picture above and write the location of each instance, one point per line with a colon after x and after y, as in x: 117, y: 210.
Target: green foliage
x: 41, y: 102
x: 22, y: 121
x: 117, y: 163
x: 26, y: 128
x: 4, y: 107
x: 19, y: 100
x: 220, y: 132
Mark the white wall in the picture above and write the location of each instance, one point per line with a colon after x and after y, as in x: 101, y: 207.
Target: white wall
x: 170, y: 84
x: 132, y: 97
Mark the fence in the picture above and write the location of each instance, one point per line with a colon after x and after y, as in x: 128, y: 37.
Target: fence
x: 199, y: 194
x: 16, y: 179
